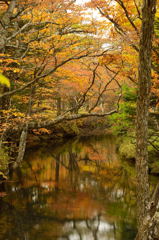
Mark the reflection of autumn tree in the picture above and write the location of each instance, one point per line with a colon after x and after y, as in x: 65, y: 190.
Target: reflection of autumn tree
x: 36, y: 220
x: 33, y: 220
x: 61, y: 165
x: 50, y: 198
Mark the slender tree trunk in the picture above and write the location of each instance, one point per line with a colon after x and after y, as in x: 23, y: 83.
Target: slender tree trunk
x: 144, y: 84
x: 24, y: 133
x: 22, y: 145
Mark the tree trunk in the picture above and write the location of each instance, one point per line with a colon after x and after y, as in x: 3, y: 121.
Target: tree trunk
x: 144, y: 84
x: 24, y: 133
x: 22, y: 146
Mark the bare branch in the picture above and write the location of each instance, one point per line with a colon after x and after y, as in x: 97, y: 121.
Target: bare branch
x: 102, y: 92
x: 69, y: 118
x: 138, y: 10
x: 11, y: 6
x: 89, y: 88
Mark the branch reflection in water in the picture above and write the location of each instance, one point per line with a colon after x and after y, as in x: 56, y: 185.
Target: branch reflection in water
x: 78, y: 190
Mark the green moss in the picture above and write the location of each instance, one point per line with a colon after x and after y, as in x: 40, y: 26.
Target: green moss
x: 127, y: 148
x: 154, y: 167
x: 4, y: 158
x: 69, y: 128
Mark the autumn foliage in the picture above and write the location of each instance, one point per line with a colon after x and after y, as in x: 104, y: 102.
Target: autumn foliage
x: 61, y: 59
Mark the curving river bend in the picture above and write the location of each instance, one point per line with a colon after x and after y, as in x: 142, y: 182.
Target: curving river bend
x: 77, y: 190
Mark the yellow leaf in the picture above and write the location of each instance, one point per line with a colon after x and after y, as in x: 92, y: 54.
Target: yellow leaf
x: 4, y: 80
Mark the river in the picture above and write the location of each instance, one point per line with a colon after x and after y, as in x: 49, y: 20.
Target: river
x: 75, y: 190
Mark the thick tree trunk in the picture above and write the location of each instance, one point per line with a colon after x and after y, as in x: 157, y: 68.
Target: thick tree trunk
x: 144, y: 83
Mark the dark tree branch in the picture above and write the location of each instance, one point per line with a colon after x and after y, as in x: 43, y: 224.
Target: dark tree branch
x: 102, y: 92
x: 121, y: 3
x: 118, y: 28
x: 10, y: 93
x: 137, y: 8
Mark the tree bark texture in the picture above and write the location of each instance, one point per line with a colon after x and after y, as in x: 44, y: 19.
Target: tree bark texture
x: 22, y: 146
x: 144, y: 84
x: 5, y: 23
x: 24, y: 133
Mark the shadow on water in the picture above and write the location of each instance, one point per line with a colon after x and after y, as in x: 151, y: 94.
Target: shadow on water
x: 78, y: 190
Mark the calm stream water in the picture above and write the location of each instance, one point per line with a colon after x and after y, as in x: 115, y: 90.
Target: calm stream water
x: 78, y: 190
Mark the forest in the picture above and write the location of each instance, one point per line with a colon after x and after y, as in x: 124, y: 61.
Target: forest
x: 79, y: 120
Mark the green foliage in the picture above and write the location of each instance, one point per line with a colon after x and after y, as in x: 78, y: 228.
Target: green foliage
x: 4, y: 158
x: 154, y: 167
x: 153, y: 141
x: 124, y: 119
x: 156, y: 27
x: 127, y: 148
x: 129, y: 93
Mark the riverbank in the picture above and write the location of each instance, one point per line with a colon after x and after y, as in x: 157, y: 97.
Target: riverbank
x: 83, y: 127
x: 62, y: 132
x: 56, y: 133
x: 126, y: 148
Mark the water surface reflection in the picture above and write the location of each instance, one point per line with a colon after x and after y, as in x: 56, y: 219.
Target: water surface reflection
x: 78, y: 190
